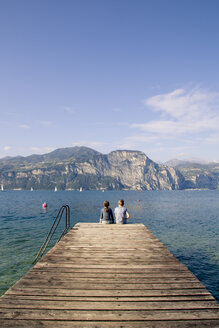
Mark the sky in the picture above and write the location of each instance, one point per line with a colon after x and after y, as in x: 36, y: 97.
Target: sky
x: 110, y: 74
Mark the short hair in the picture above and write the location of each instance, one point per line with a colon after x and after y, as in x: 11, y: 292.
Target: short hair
x: 121, y: 202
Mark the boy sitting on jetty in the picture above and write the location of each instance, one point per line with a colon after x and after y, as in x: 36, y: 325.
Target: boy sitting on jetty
x: 121, y: 213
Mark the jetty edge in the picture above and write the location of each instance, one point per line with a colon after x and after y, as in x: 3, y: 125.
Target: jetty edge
x: 108, y: 276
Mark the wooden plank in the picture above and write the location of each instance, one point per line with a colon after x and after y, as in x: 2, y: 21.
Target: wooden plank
x: 107, y: 292
x: 103, y: 305
x: 70, y: 256
x: 41, y: 267
x: 107, y: 324
x: 107, y: 280
x: 103, y: 315
x: 113, y: 266
x: 161, y: 298
x: 126, y: 286
x: 106, y: 260
x: 63, y: 274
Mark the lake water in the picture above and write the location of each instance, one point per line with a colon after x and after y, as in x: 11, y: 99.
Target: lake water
x: 187, y: 222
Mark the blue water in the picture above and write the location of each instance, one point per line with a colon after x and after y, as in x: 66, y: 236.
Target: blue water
x: 187, y: 222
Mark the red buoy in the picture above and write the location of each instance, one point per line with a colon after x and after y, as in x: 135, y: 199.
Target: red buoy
x: 44, y: 205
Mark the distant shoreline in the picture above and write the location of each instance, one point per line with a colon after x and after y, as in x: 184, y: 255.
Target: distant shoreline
x: 101, y: 190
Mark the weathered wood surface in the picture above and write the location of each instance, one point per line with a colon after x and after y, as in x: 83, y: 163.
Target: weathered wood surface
x: 108, y: 276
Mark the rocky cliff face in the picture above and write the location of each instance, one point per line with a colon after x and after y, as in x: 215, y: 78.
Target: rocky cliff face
x: 76, y: 167
x: 198, y: 175
x: 136, y: 171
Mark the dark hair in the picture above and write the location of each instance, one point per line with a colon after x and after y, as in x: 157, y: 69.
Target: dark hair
x: 121, y: 202
x: 106, y: 205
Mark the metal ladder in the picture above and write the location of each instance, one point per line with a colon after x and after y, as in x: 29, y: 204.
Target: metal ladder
x: 63, y: 208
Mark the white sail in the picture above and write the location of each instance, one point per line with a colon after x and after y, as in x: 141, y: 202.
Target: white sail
x: 2, y: 187
x: 31, y: 189
x: 81, y: 189
x: 55, y: 189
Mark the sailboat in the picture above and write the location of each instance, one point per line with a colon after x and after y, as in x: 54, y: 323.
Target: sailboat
x: 31, y: 189
x: 81, y: 189
x: 55, y: 189
x: 2, y: 187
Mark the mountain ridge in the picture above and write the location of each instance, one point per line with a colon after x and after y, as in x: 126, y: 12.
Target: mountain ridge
x: 75, y: 167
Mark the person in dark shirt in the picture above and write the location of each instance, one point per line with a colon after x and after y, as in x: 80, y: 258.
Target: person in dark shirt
x: 106, y: 215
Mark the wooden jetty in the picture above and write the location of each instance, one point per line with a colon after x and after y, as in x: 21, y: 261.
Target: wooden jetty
x: 109, y: 276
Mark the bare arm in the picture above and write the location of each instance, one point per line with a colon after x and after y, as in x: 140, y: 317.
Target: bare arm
x: 127, y: 215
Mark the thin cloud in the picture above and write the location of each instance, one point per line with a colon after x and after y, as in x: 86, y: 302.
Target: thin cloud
x: 182, y: 103
x: 179, y: 127
x: 92, y: 144
x: 182, y: 112
x: 24, y: 126
x: 15, y: 125
x: 37, y: 149
x: 6, y: 148
x: 42, y: 150
x: 69, y: 109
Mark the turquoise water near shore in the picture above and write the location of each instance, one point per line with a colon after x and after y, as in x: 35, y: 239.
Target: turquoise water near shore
x: 187, y: 222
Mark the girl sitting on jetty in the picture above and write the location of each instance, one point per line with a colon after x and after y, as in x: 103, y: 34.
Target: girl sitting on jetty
x: 106, y: 215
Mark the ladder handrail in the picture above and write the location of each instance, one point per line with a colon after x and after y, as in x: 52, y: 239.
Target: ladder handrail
x: 54, y: 226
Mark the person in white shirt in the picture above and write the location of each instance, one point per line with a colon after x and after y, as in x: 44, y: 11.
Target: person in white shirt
x: 121, y: 213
